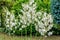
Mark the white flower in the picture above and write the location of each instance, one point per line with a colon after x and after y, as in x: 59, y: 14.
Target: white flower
x: 8, y: 19
x: 36, y: 28
x: 42, y: 31
x: 16, y: 27
x: 33, y: 18
x: 36, y: 19
x: 31, y: 1
x: 23, y: 26
x: 11, y: 17
x: 46, y: 23
x: 45, y: 36
x: 19, y: 23
x: 20, y: 29
x: 22, y: 12
x: 7, y: 22
x: 13, y: 24
x: 25, y: 6
x: 7, y: 12
x: 13, y: 31
x: 41, y: 25
x: 7, y: 25
x: 28, y: 15
x: 50, y: 33
x: 45, y: 14
x: 39, y: 13
x: 34, y: 6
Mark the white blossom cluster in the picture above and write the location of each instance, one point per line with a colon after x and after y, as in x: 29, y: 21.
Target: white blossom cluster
x: 50, y: 33
x: 9, y: 19
x: 45, y: 24
x: 43, y: 21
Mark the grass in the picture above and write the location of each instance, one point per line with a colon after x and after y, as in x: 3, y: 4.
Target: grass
x: 7, y: 37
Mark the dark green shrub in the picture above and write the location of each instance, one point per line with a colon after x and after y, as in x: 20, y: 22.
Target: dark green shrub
x: 55, y: 9
x: 55, y: 31
x: 29, y: 30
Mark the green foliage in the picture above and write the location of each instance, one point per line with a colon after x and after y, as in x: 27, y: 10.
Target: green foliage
x: 43, y: 5
x: 55, y: 31
x: 29, y: 30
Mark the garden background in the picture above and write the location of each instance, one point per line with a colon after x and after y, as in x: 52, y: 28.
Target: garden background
x: 29, y: 18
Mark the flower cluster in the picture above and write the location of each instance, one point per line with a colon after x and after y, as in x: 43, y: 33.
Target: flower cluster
x: 43, y: 21
x: 9, y: 20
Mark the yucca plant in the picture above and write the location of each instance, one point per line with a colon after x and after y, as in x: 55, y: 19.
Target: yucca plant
x: 31, y: 19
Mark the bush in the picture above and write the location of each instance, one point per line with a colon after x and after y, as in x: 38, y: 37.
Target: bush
x: 25, y: 18
x: 55, y: 7
x: 28, y: 18
x: 29, y: 30
x: 55, y: 31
